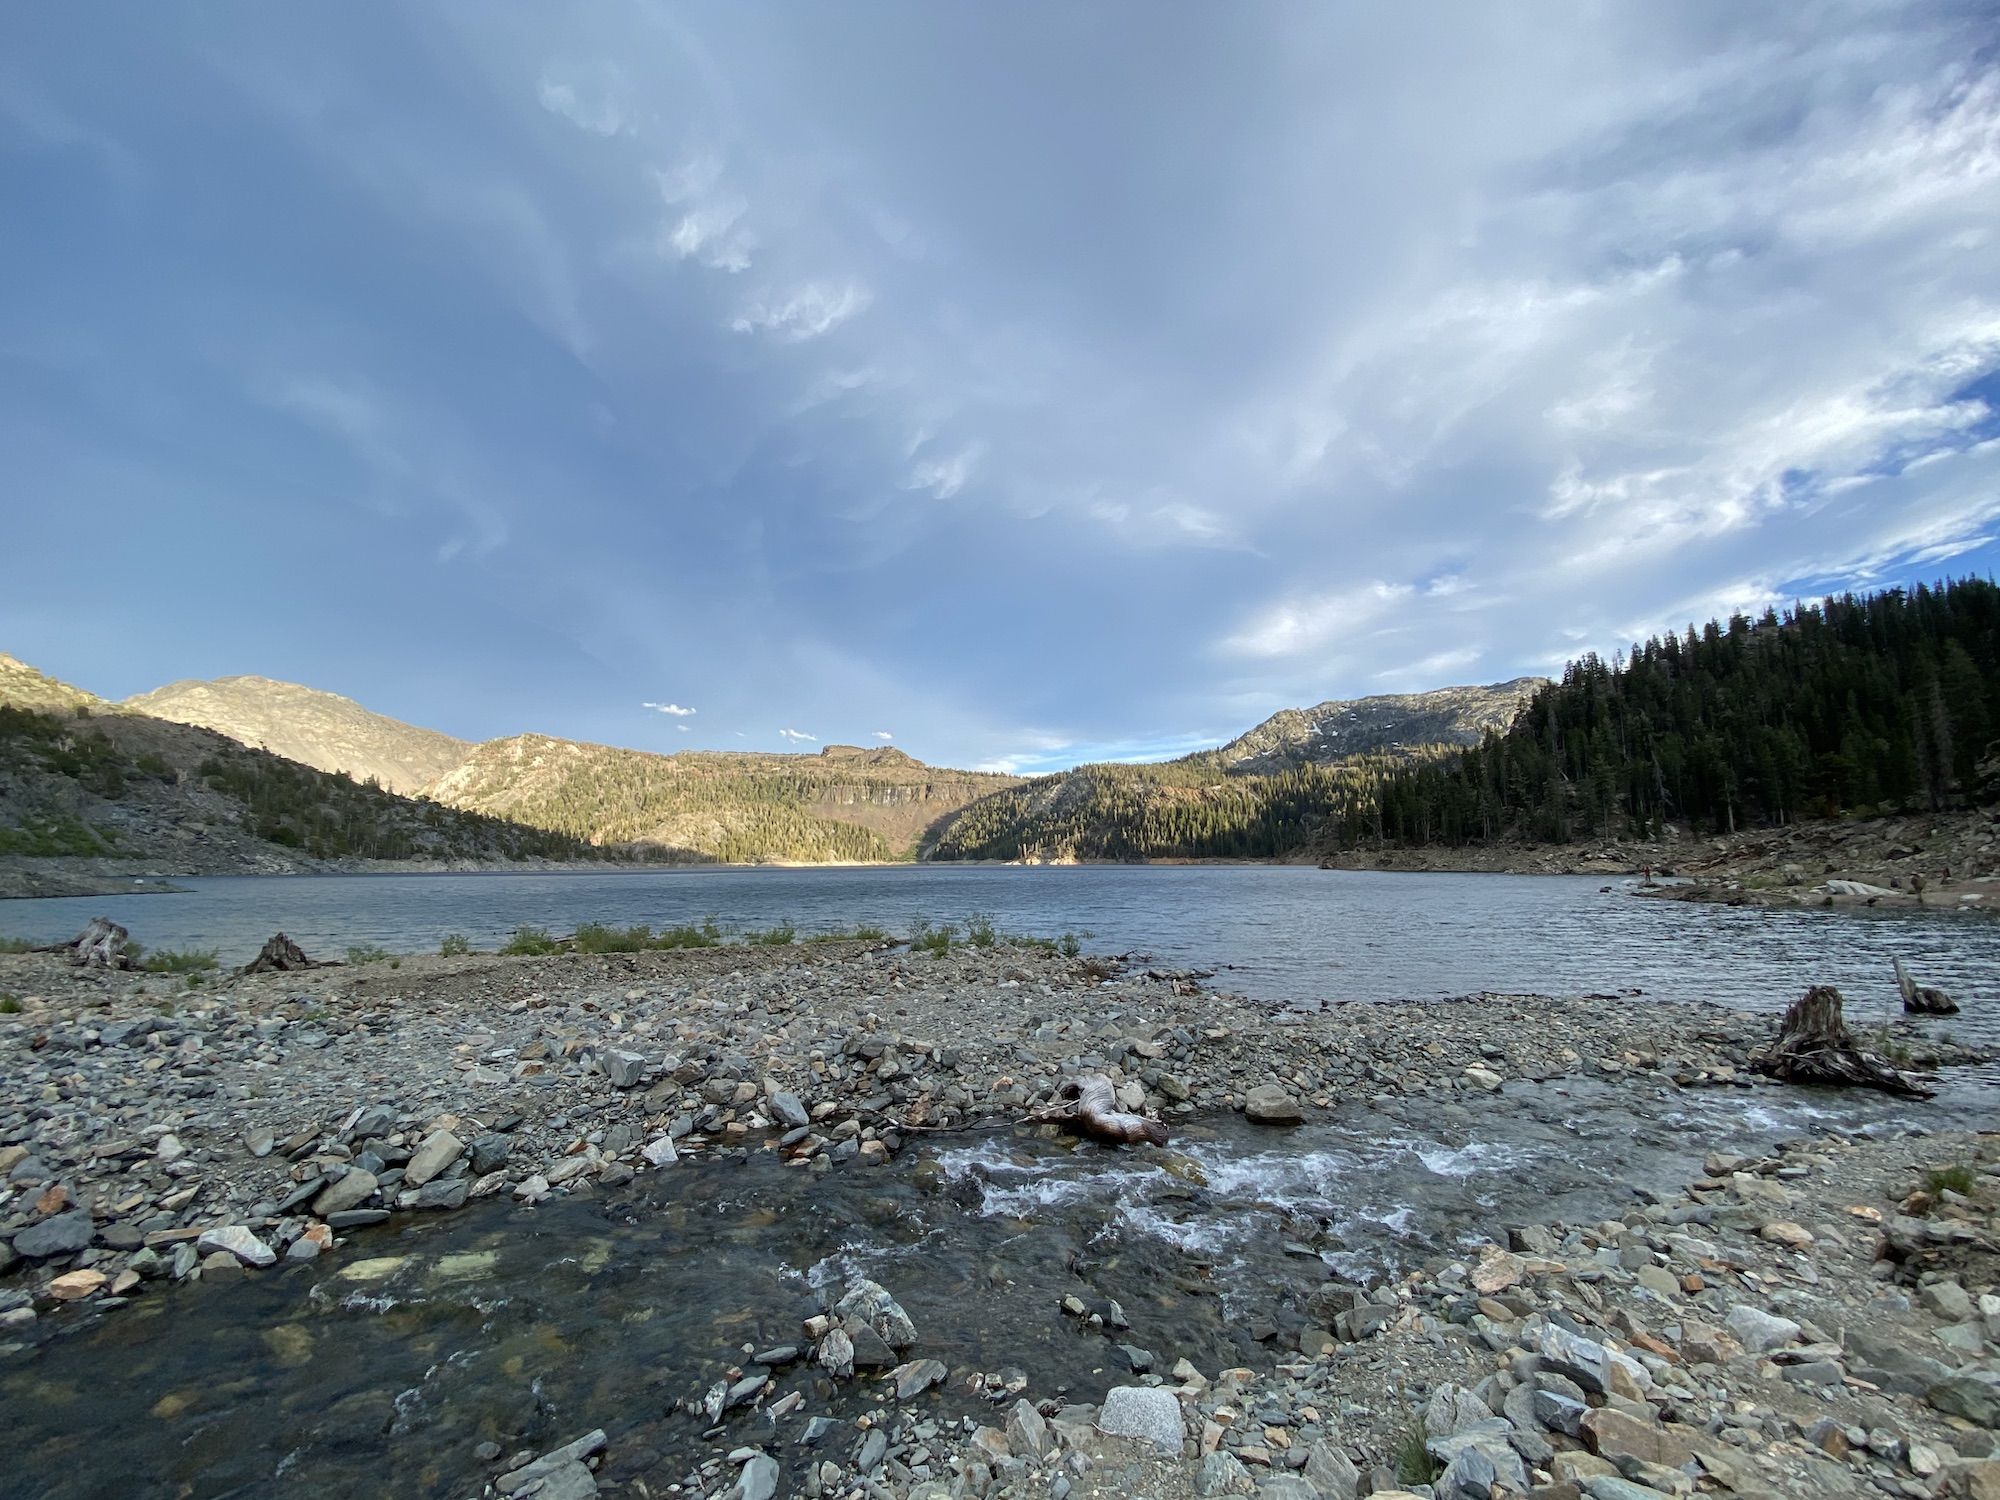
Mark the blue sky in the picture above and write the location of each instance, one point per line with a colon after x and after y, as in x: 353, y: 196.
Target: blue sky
x: 1029, y: 383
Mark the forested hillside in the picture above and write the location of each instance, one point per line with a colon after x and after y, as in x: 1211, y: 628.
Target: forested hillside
x: 1193, y: 808
x: 1855, y: 705
x: 89, y: 783
x: 843, y: 804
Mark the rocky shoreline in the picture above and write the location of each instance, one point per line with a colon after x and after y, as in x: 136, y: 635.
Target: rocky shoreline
x: 156, y: 1133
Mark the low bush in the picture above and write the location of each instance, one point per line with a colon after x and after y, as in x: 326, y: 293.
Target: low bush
x: 455, y: 945
x: 530, y: 942
x: 190, y: 961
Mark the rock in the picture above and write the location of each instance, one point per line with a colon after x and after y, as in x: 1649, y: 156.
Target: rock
x: 1893, y: 1365
x: 1784, y: 1232
x: 574, y: 1452
x: 1577, y: 1358
x: 490, y: 1152
x: 61, y: 1234
x: 787, y: 1109
x: 1760, y: 1332
x: 74, y: 1286
x: 1332, y: 1472
x: 1028, y: 1436
x: 351, y: 1190
x: 758, y: 1479
x: 836, y: 1354
x: 1948, y: 1300
x: 1145, y: 1412
x: 1612, y: 1434
x: 238, y: 1240
x: 1498, y: 1270
x: 659, y: 1151
x: 623, y: 1069
x: 1268, y: 1104
x: 439, y: 1150
x: 1221, y: 1474
x: 916, y: 1377
x: 1971, y: 1394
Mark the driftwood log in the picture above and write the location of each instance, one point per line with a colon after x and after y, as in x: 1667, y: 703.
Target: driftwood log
x: 1089, y: 1106
x: 280, y: 955
x: 1922, y: 999
x: 1814, y: 1046
x: 102, y: 944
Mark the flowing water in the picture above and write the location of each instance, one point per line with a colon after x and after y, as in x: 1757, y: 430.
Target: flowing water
x: 380, y: 1370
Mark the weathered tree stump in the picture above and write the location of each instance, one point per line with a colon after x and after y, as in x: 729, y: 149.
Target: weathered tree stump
x: 1922, y: 999
x: 280, y: 955
x: 1814, y: 1046
x: 1089, y: 1106
x: 101, y: 945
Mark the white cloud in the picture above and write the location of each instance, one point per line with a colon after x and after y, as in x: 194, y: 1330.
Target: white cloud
x: 808, y: 312
x: 884, y: 735
x: 588, y: 108
x: 1320, y: 621
x: 706, y: 219
x: 945, y: 477
x: 797, y: 738
x: 674, y: 709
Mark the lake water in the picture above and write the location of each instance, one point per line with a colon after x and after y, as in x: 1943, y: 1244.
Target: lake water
x: 1292, y: 934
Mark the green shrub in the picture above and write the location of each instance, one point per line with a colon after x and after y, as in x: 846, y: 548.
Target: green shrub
x: 783, y: 935
x: 15, y: 945
x: 1069, y: 945
x: 935, y: 941
x: 455, y: 945
x: 530, y: 942
x: 1414, y: 1464
x: 596, y: 937
x: 364, y: 953
x: 192, y: 961
x: 10, y: 1005
x: 1957, y: 1179
x: 708, y: 935
x: 979, y: 932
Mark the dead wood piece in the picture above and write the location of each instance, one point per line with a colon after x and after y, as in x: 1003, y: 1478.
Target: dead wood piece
x: 280, y: 955
x: 1814, y: 1046
x: 102, y: 944
x: 1089, y: 1106
x: 1922, y: 999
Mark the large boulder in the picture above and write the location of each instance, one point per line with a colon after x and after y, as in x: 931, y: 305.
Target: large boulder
x: 1268, y: 1104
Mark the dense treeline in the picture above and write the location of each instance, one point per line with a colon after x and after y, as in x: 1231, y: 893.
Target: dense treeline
x: 1851, y: 706
x: 1185, y: 809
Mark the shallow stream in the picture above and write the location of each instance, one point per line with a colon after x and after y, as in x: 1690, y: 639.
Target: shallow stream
x: 381, y: 1370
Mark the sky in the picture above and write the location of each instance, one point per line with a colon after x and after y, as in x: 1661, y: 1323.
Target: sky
x: 1018, y: 385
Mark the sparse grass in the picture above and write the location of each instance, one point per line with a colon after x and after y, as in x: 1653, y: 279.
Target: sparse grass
x: 597, y: 937
x: 781, y: 936
x: 1890, y: 1047
x: 935, y: 941
x: 15, y: 945
x: 1957, y: 1179
x: 861, y: 934
x: 10, y: 1005
x: 455, y: 945
x: 186, y: 961
x: 365, y: 953
x: 708, y: 935
x: 1414, y: 1464
x: 191, y: 981
x: 979, y: 931
x: 530, y: 942
x: 1068, y: 945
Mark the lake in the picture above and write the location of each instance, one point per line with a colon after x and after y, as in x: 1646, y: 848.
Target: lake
x: 1291, y: 934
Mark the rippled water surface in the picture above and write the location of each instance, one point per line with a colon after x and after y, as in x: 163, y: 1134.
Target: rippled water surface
x: 1280, y: 933
x: 381, y: 1370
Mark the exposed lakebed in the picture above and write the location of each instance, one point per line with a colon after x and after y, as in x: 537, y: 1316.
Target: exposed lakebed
x: 381, y: 1371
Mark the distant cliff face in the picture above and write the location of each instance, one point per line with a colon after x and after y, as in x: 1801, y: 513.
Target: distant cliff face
x: 1339, y: 728
x: 21, y: 686
x: 315, y: 728
x: 846, y: 803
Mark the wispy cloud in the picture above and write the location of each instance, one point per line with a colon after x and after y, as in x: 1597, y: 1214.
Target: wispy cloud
x: 674, y: 709
x: 945, y: 477
x: 797, y: 738
x: 884, y: 735
x: 807, y: 312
